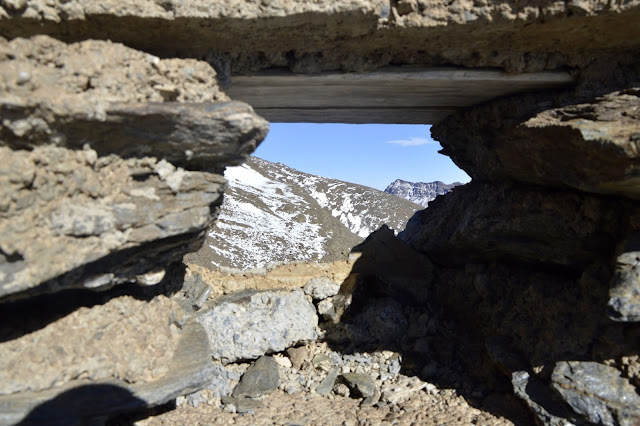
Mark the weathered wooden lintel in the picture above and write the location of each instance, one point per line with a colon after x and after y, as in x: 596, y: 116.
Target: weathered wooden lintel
x: 391, y: 95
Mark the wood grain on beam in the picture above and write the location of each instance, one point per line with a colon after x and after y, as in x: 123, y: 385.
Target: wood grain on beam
x: 392, y: 95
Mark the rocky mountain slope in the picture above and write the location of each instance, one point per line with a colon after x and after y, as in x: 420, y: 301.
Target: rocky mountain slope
x: 273, y: 213
x: 419, y: 192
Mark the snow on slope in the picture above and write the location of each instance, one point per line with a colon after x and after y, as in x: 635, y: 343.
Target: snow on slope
x: 420, y: 193
x: 270, y: 232
x: 272, y: 213
x: 360, y: 208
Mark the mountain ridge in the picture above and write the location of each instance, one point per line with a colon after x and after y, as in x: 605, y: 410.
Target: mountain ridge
x: 273, y: 213
x: 421, y: 193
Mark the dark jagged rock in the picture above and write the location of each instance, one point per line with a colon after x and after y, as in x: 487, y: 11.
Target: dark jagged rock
x: 597, y: 392
x: 624, y: 296
x: 489, y: 222
x: 260, y: 379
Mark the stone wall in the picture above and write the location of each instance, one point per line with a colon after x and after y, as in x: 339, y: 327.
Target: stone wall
x: 537, y: 256
x: 110, y: 173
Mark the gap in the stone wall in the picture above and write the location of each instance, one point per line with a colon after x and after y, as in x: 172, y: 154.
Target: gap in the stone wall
x: 372, y: 155
x: 311, y: 192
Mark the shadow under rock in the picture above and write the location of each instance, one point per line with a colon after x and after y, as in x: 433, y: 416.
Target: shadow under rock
x: 479, y: 329
x: 83, y: 405
x: 386, y: 303
x: 25, y: 316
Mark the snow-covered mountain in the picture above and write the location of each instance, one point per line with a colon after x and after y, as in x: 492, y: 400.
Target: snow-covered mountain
x: 420, y: 193
x: 273, y: 213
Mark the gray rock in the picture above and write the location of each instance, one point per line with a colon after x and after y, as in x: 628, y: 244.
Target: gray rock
x: 598, y: 152
x: 249, y: 324
x: 371, y: 400
x: 327, y: 310
x: 117, y: 222
x: 321, y: 288
x: 402, y: 390
x: 540, y: 400
x: 326, y: 385
x: 321, y: 361
x: 219, y: 385
x: 98, y: 170
x: 261, y: 378
x: 624, y: 296
x: 196, y: 290
x: 381, y: 321
x: 198, y: 128
x: 597, y: 392
x: 363, y: 384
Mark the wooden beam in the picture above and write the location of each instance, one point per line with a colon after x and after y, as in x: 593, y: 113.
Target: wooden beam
x: 390, y: 95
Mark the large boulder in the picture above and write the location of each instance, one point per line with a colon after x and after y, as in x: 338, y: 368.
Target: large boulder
x: 498, y: 222
x: 249, y: 324
x: 350, y: 35
x: 590, y: 146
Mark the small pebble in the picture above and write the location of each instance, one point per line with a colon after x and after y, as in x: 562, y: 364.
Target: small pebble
x: 23, y: 77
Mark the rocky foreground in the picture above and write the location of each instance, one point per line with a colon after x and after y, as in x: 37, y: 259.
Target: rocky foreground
x: 347, y: 358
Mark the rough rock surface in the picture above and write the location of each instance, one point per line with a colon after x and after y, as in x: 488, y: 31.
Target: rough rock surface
x: 488, y: 221
x: 121, y: 101
x: 95, y: 141
x: 597, y: 392
x: 249, y: 324
x: 600, y: 149
x: 91, y: 344
x: 624, y: 296
x: 102, y: 220
x: 348, y: 35
x: 86, y: 366
x: 524, y: 255
x: 515, y: 293
x: 321, y: 288
x: 261, y: 378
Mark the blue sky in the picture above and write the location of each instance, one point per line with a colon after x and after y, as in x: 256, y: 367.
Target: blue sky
x: 369, y: 154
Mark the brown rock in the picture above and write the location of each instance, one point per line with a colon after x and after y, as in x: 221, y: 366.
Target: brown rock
x: 591, y: 146
x: 115, y: 99
x: 349, y: 35
x: 71, y: 220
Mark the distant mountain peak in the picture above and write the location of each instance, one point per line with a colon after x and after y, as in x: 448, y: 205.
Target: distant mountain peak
x: 419, y: 192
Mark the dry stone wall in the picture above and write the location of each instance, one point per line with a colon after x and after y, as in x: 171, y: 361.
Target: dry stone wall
x: 111, y: 173
x: 111, y: 159
x: 532, y: 257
